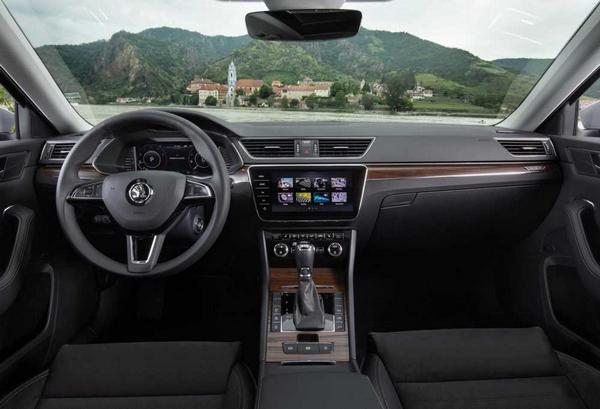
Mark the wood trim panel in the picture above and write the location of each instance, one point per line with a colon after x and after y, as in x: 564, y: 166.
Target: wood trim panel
x: 85, y: 172
x: 330, y: 281
x: 382, y: 172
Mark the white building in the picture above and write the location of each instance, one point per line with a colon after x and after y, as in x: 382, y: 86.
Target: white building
x: 231, y: 83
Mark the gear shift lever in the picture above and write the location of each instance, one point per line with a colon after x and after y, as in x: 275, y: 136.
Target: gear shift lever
x: 309, y: 314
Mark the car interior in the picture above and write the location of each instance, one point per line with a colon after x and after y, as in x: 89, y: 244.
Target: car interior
x: 166, y: 257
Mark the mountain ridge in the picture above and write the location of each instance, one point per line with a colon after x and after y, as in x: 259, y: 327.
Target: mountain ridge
x: 159, y: 62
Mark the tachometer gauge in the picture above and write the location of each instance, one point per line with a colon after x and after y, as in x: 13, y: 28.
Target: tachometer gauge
x: 196, y: 161
x: 151, y: 157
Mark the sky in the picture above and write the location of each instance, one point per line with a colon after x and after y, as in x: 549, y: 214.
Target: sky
x: 490, y: 29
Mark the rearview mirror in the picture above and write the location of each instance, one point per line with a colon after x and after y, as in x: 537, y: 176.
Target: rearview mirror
x: 303, y: 25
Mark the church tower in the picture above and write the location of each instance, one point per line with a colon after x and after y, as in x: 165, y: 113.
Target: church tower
x: 231, y: 81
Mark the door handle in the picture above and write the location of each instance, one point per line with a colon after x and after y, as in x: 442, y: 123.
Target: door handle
x: 10, y: 278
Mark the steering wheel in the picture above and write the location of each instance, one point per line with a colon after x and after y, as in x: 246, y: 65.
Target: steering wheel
x: 145, y: 204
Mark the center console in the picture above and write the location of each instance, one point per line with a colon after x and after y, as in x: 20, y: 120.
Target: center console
x: 285, y: 341
x: 308, y: 356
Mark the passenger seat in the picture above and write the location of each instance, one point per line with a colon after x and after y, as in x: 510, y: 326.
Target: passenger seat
x: 478, y: 369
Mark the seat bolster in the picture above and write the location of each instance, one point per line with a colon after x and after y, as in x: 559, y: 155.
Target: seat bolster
x: 585, y: 379
x: 27, y: 395
x: 375, y: 370
x: 465, y: 354
x: 240, y: 389
x: 141, y: 369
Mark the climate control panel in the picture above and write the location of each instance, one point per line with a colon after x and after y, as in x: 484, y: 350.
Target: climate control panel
x: 330, y: 245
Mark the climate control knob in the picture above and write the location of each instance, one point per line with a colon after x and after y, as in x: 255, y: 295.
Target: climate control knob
x: 281, y: 250
x: 335, y: 249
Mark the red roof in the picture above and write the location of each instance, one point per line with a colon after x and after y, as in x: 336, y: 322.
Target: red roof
x: 249, y: 83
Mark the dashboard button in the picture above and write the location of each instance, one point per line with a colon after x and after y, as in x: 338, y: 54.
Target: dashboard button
x: 263, y: 200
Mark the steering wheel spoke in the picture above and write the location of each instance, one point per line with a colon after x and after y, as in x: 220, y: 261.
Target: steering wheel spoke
x: 198, y: 189
x: 143, y: 252
x: 87, y: 192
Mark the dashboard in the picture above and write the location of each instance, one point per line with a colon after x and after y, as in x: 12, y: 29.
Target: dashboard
x: 399, y: 185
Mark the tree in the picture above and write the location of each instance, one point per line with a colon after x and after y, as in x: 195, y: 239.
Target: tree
x: 285, y: 104
x: 366, y: 87
x: 239, y: 92
x: 271, y: 101
x: 294, y: 103
x: 211, y: 101
x: 265, y: 91
x: 311, y: 101
x: 194, y: 99
x: 396, y: 87
x: 345, y: 86
x: 6, y: 101
x: 340, y: 99
x: 368, y: 101
x: 253, y: 99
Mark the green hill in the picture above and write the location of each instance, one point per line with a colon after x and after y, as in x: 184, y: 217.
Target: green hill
x: 533, y: 66
x: 273, y: 61
x: 160, y: 62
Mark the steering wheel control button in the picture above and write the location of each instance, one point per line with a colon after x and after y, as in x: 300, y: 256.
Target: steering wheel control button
x: 197, y: 190
x: 281, y: 250
x: 92, y: 191
x: 335, y: 249
x: 139, y: 192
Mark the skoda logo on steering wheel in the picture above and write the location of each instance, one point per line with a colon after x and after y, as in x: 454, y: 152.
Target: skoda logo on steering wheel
x: 139, y: 192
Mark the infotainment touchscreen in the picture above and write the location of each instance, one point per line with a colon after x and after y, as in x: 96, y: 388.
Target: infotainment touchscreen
x: 308, y: 193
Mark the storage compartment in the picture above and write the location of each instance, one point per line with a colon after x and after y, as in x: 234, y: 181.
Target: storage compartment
x: 311, y: 390
x: 571, y: 304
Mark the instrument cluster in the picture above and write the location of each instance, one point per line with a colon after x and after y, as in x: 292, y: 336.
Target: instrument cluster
x: 172, y: 156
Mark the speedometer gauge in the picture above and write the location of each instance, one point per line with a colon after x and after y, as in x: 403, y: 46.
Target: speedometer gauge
x: 196, y: 161
x: 152, y: 157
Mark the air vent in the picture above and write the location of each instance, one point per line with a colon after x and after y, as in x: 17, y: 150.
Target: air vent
x: 59, y: 151
x: 340, y: 147
x: 226, y: 157
x: 129, y: 160
x: 269, y: 148
x: 527, y: 147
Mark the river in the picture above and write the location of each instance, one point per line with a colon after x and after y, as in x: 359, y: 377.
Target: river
x: 97, y: 113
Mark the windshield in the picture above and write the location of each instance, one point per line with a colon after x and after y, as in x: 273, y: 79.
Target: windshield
x: 457, y: 61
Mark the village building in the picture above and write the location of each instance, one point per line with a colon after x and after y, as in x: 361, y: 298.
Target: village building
x: 419, y: 92
x: 219, y: 91
x: 249, y: 86
x: 302, y: 91
x: 197, y: 83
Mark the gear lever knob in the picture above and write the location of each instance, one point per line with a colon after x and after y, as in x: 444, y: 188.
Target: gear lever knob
x: 305, y: 258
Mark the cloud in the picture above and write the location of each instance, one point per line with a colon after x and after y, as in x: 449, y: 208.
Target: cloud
x: 489, y: 29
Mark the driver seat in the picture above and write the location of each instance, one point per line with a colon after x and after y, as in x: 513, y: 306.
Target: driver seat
x: 200, y: 375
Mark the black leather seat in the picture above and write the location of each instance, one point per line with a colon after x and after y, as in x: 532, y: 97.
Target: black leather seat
x: 174, y: 375
x: 478, y: 369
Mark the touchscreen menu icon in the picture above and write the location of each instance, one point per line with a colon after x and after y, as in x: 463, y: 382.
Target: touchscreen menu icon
x: 303, y: 197
x: 285, y: 183
x: 339, y: 197
x: 320, y: 198
x: 321, y: 183
x: 303, y: 183
x: 285, y: 198
x: 338, y: 183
